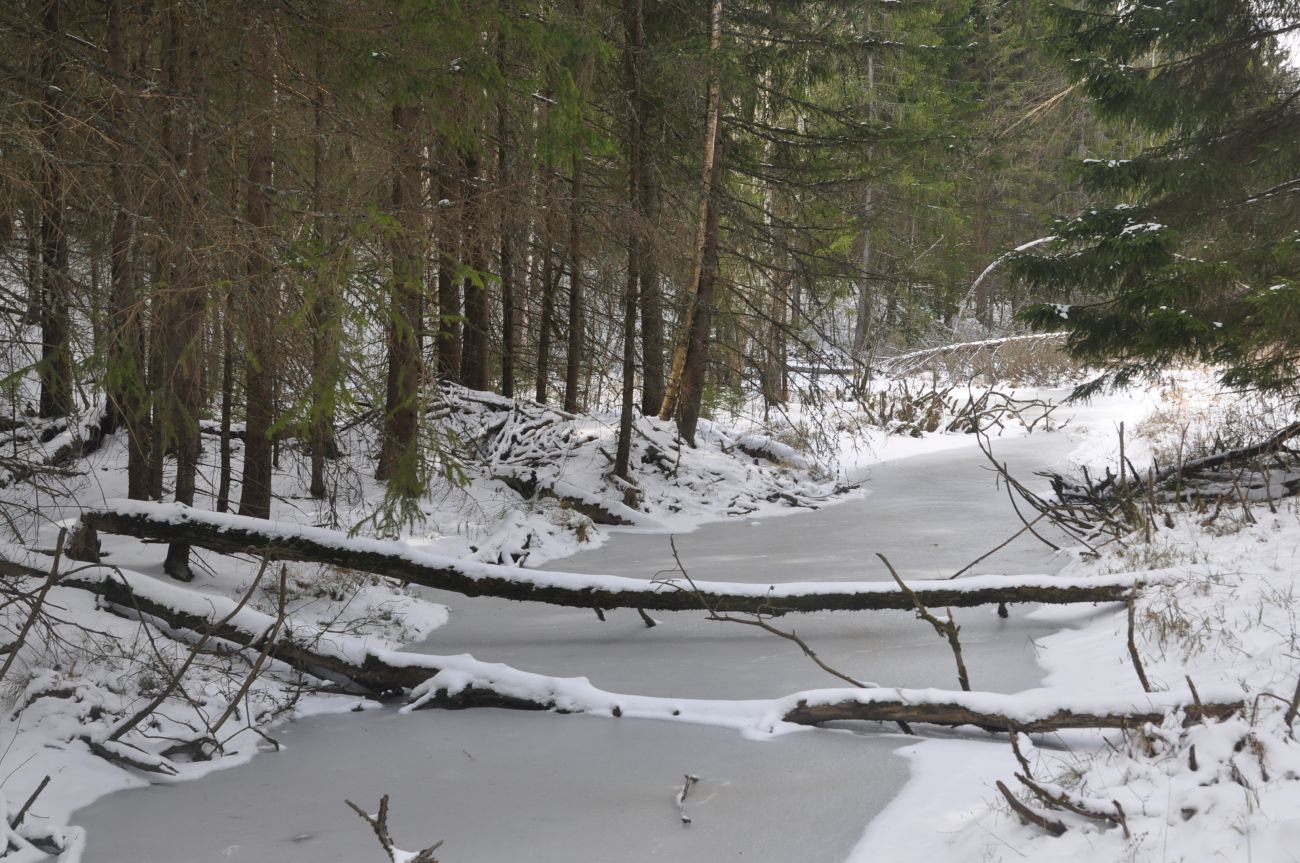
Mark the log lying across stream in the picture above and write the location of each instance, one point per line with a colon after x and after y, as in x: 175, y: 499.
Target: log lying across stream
x: 458, y: 682
x: 232, y: 534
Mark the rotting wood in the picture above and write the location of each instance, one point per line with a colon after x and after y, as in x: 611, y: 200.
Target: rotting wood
x: 234, y: 535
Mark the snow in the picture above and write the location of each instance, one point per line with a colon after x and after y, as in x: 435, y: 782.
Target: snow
x: 698, y: 697
x: 1223, y: 790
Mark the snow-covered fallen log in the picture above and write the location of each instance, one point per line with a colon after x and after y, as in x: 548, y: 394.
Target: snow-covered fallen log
x: 999, y: 712
x: 459, y: 682
x: 232, y: 534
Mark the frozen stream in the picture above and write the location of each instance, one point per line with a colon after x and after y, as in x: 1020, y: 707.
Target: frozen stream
x: 499, y: 785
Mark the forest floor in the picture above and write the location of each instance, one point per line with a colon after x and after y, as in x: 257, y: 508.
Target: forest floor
x: 1225, y: 620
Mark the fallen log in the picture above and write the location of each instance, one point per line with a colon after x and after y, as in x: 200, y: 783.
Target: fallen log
x: 305, y: 649
x: 232, y: 534
x: 1271, y: 444
x: 459, y: 682
x: 995, y: 712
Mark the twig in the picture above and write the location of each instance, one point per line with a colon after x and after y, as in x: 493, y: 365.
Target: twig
x: 379, y: 824
x: 946, y: 628
x: 1052, y: 826
x: 1132, y: 647
x: 255, y: 671
x: 1062, y: 801
x: 22, y: 812
x: 690, y: 780
x: 1029, y: 526
x: 1014, y: 737
x: 762, y: 624
x: 35, y: 613
x: 1196, y: 696
x: 1294, y: 709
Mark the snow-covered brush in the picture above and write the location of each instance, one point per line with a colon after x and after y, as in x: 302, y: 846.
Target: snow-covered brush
x: 915, y: 407
x: 1122, y: 501
x: 1032, y: 360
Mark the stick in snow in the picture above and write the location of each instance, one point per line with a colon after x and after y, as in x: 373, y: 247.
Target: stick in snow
x: 690, y: 780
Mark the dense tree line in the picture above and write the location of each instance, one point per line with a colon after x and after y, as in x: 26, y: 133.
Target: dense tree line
x: 271, y: 212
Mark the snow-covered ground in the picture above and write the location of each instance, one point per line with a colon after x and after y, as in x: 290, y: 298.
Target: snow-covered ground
x: 1225, y: 620
x: 552, y: 788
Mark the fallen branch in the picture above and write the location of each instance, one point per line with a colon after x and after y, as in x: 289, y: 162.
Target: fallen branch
x: 1030, y: 815
x: 945, y: 628
x: 1267, y: 446
x: 1057, y: 798
x: 1133, y: 650
x: 379, y: 824
x: 231, y: 534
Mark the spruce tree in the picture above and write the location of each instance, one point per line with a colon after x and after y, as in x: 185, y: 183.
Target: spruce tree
x: 1198, y: 254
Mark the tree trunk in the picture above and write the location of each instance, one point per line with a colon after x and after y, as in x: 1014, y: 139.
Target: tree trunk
x: 633, y: 50
x: 573, y: 359
x: 672, y: 389
x: 691, y: 392
x: 186, y: 304
x: 474, y: 359
x: 449, y: 310
x: 506, y: 251
x: 649, y: 289
x: 325, y: 305
x: 127, y: 395
x: 56, y: 398
x: 260, y: 302
x: 550, y: 278
x: 227, y: 405
x: 862, y: 330
x: 651, y: 297
x: 399, y: 455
